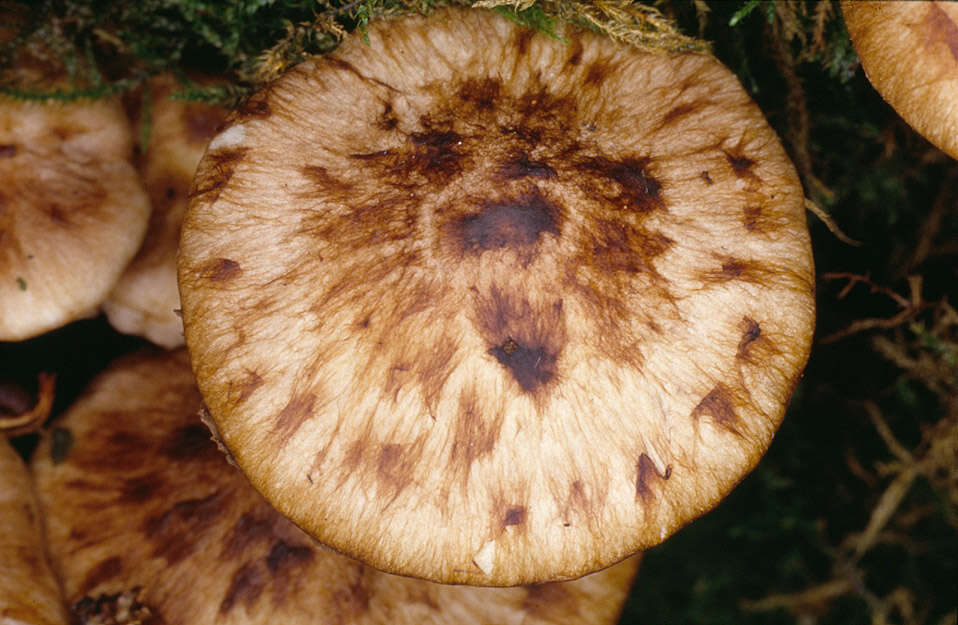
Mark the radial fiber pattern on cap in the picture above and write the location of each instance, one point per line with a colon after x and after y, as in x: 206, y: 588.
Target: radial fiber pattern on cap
x: 143, y: 504
x: 476, y: 305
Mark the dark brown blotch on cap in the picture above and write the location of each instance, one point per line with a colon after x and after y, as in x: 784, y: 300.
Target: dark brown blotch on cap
x: 81, y: 484
x: 387, y: 119
x: 283, y: 557
x: 246, y: 586
x: 188, y: 442
x: 526, y: 339
x: 297, y: 410
x: 679, y: 111
x: 222, y: 270
x: 220, y: 167
x: 751, y: 333
x: 520, y: 166
x: 731, y: 268
x: 741, y: 165
x: 596, y: 73
x: 396, y: 466
x: 65, y: 131
x: 620, y: 247
x: 257, y: 105
x: 509, y: 224
x: 248, y: 530
x: 755, y: 219
x: 385, y: 219
x: 326, y: 183
x: 432, y: 154
x: 120, y: 451
x: 58, y: 215
x: 243, y: 389
x: 575, y: 52
x: 522, y: 39
x: 8, y: 151
x: 102, y: 572
x: 751, y: 217
x: 941, y: 28
x: 428, y: 366
x: 706, y: 178
x: 515, y: 515
x: 639, y: 191
x: 436, y: 155
x: 645, y: 476
x: 176, y: 533
x: 530, y: 366
x: 578, y: 500
x: 139, y: 489
x: 483, y: 94
x: 719, y: 406
x: 476, y: 433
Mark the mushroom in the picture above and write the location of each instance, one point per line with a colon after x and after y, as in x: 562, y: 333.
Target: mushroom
x: 145, y: 301
x: 72, y: 211
x: 909, y: 51
x: 144, y: 509
x: 476, y: 305
x: 29, y: 593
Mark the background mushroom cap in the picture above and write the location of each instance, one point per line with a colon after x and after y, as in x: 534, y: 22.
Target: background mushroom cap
x: 909, y: 51
x: 29, y: 593
x: 143, y: 498
x: 72, y: 211
x: 145, y: 301
x: 496, y: 313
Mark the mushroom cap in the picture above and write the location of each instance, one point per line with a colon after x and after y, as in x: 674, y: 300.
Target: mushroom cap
x: 475, y: 305
x: 72, y: 211
x: 146, y: 301
x: 29, y: 593
x: 144, y: 499
x: 909, y: 51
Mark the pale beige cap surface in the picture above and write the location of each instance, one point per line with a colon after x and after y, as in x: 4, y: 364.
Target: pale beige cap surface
x: 72, y: 211
x: 144, y: 499
x: 29, y: 593
x: 909, y: 51
x: 146, y: 301
x: 475, y: 305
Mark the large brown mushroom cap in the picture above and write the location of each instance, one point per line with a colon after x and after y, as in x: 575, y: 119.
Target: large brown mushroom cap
x: 909, y: 51
x: 29, y: 593
x: 146, y: 301
x: 72, y: 211
x: 144, y: 499
x: 475, y: 305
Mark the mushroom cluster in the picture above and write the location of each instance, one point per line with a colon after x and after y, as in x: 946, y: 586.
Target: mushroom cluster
x: 477, y: 305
